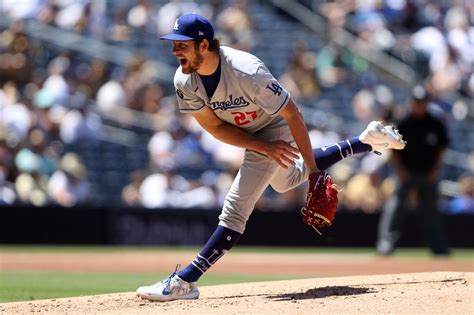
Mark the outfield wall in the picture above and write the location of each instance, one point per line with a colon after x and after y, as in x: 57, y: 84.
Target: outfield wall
x: 29, y: 225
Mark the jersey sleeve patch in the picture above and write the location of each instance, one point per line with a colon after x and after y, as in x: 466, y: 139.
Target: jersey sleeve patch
x: 270, y: 95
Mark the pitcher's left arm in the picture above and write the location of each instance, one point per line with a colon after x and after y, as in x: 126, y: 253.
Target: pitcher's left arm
x: 298, y: 129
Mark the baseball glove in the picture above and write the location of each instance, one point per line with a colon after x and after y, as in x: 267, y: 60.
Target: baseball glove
x: 321, y: 201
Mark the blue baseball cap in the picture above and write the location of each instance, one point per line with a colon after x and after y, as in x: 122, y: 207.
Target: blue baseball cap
x: 191, y: 27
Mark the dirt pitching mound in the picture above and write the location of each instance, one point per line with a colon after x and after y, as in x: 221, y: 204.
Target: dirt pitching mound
x: 420, y: 293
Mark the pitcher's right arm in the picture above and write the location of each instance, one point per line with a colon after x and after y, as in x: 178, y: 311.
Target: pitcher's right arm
x: 279, y: 151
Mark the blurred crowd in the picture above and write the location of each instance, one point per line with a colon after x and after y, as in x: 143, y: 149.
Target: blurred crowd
x: 53, y: 101
x: 435, y: 37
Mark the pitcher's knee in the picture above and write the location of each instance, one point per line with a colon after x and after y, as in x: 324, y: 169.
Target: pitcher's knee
x: 232, y: 221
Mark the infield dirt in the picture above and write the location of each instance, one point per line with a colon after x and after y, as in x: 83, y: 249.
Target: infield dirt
x: 350, y: 284
x: 416, y: 293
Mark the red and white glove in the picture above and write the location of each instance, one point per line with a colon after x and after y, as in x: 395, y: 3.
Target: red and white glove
x: 321, y: 201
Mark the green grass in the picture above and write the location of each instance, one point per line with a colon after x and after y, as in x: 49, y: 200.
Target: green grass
x: 457, y: 253
x: 23, y: 286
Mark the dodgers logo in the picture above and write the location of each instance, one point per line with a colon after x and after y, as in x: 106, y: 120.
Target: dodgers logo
x: 176, y: 25
x: 231, y: 103
x: 275, y: 88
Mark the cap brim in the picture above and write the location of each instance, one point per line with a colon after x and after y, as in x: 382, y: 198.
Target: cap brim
x: 176, y: 37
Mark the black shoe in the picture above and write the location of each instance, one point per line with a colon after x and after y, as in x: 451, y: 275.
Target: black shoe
x: 441, y: 252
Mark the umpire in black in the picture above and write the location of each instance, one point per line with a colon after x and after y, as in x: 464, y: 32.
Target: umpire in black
x: 417, y: 169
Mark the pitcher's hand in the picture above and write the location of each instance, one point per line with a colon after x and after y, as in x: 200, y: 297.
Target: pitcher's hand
x: 281, y: 152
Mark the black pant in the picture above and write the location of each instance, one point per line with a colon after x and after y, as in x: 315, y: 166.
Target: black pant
x: 425, y: 194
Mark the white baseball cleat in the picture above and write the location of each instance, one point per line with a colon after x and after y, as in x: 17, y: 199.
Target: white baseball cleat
x: 380, y: 137
x: 169, y: 289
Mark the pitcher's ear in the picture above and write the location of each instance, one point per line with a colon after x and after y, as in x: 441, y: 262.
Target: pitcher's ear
x: 205, y: 44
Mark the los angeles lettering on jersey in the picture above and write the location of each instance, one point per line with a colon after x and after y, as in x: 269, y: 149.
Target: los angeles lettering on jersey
x: 231, y: 103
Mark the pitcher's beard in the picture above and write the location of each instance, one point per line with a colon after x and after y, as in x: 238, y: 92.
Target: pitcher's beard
x: 191, y: 67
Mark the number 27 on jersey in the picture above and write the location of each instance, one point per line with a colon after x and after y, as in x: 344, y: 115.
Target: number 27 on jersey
x: 244, y: 118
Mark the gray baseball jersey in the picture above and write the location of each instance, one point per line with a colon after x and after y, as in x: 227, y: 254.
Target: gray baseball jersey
x: 249, y: 97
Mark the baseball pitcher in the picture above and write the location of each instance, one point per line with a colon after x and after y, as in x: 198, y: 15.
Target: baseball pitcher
x: 234, y: 97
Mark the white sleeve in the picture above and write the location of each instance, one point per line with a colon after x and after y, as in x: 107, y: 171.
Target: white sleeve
x: 269, y: 94
x: 188, y: 101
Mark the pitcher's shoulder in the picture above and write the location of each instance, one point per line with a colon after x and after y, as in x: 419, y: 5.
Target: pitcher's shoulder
x: 241, y: 61
x: 180, y: 79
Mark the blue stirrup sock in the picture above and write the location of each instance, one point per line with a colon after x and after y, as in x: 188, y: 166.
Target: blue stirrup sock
x: 218, y: 244
x: 330, y: 155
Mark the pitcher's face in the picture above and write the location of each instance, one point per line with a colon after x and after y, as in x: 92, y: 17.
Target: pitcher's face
x: 188, y: 56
